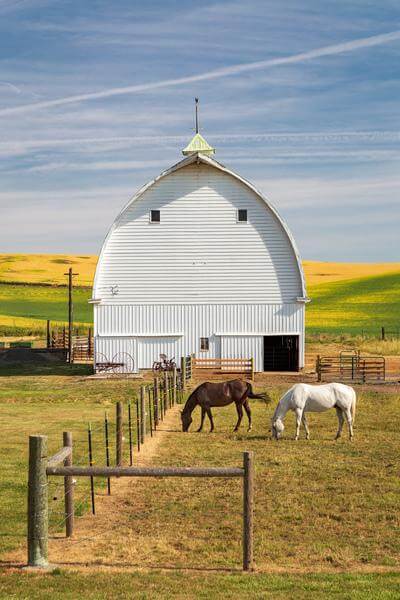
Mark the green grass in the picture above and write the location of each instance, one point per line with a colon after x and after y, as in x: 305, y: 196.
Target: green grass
x: 49, y: 404
x: 320, y: 505
x: 183, y: 586
x: 24, y: 309
x: 355, y: 305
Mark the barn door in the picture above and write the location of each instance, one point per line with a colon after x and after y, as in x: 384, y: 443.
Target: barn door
x: 281, y: 353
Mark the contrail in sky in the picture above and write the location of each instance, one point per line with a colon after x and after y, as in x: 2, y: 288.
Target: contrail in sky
x: 366, y: 42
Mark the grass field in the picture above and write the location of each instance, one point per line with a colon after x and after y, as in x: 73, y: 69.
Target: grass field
x: 326, y: 519
x: 346, y: 298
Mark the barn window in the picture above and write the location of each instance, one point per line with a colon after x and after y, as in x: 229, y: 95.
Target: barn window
x: 204, y: 344
x: 155, y: 216
x: 242, y: 215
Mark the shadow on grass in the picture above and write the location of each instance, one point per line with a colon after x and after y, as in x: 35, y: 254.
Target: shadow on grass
x: 43, y: 370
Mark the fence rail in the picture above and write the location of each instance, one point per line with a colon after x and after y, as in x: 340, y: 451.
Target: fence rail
x: 225, y: 365
x: 349, y: 367
x: 41, y: 467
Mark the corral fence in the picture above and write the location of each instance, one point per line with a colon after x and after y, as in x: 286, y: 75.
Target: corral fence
x: 81, y: 343
x: 149, y: 409
x: 351, y: 366
x: 244, y: 366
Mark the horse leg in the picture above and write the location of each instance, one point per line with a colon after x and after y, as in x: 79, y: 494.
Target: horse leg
x: 299, y: 415
x: 340, y: 417
x: 208, y: 411
x: 248, y: 413
x: 240, y: 415
x: 349, y: 420
x: 203, y: 414
x: 304, y: 419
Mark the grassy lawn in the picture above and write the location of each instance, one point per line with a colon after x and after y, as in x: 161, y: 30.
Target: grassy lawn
x: 321, y: 507
x: 181, y: 585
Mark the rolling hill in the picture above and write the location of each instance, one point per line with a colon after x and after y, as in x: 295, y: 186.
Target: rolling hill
x: 346, y: 297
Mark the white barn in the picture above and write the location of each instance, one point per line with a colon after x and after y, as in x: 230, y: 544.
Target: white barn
x: 200, y: 262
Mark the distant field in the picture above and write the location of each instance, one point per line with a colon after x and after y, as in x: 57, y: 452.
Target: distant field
x: 356, y: 305
x: 346, y: 297
x: 47, y: 268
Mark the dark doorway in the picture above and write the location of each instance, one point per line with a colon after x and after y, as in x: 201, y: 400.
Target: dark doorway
x: 281, y: 353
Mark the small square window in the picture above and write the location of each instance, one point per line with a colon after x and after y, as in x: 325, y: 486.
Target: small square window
x: 155, y: 216
x: 204, y: 344
x: 242, y: 215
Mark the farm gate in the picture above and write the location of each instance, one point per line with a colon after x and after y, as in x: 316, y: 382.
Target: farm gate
x: 351, y: 366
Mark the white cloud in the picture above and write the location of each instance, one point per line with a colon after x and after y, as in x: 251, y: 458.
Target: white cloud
x: 361, y: 43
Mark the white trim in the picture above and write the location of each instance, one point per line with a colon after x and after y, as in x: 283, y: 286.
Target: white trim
x: 94, y: 301
x: 134, y: 335
x: 110, y: 302
x: 257, y: 333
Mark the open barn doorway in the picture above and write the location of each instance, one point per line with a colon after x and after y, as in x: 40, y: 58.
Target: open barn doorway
x: 281, y: 353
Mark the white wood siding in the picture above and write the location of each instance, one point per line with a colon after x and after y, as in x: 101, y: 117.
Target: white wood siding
x: 177, y: 329
x: 199, y: 252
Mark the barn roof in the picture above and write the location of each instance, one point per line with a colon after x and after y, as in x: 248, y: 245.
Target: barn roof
x: 199, y: 157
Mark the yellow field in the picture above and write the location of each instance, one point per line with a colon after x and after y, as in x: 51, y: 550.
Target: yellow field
x: 47, y: 268
x: 50, y: 268
x: 326, y: 272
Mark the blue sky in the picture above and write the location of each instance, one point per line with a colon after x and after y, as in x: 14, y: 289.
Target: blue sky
x: 301, y: 98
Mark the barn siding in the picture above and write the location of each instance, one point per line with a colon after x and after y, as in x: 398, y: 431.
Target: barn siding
x: 233, y: 329
x: 198, y: 253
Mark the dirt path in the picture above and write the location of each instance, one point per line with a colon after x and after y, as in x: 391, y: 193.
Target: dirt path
x: 94, y: 536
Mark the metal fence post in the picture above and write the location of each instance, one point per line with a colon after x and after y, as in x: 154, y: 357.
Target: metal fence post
x: 248, y: 501
x: 68, y: 488
x: 174, y: 385
x: 142, y: 413
x: 119, y: 434
x: 38, y: 507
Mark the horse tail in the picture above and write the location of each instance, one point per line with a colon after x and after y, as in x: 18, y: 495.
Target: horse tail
x: 353, y: 406
x: 253, y: 396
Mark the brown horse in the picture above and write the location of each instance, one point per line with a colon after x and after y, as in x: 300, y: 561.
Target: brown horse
x: 209, y: 394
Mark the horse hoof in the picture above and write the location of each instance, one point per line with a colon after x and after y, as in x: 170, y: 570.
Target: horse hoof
x: 249, y: 429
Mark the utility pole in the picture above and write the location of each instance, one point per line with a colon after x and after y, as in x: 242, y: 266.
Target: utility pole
x: 70, y: 275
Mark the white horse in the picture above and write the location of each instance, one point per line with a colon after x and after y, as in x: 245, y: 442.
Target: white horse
x: 302, y: 398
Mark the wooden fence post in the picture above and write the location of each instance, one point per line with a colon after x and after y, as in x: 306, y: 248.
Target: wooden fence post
x: 156, y: 401
x: 318, y: 367
x: 174, y: 385
x: 383, y: 336
x: 166, y: 382
x: 90, y: 349
x: 252, y: 368
x: 38, y: 507
x: 48, y: 336
x: 142, y: 413
x: 68, y: 488
x: 183, y: 371
x: 119, y: 434
x: 192, y: 360
x: 248, y: 509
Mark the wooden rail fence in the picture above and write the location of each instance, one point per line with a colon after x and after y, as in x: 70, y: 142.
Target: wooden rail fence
x: 41, y: 467
x: 351, y: 367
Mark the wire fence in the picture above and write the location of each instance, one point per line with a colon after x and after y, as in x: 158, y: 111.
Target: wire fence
x: 115, y: 439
